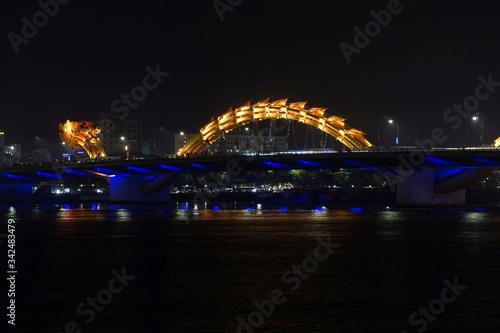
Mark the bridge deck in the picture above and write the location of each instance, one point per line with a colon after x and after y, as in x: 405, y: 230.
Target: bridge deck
x: 366, y: 159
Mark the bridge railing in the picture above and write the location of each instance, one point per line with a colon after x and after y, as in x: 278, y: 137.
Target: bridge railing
x: 372, y: 150
x: 406, y: 149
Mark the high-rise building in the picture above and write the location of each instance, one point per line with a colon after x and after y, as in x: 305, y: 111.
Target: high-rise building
x: 117, y: 136
x: 162, y: 142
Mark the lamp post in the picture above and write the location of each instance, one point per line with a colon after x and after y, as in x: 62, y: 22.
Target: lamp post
x: 30, y: 157
x: 183, y: 138
x: 65, y: 149
x: 476, y: 118
x: 127, y: 148
x: 392, y: 121
x: 389, y: 121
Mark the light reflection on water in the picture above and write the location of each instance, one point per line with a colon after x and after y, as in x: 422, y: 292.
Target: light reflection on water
x: 232, y: 211
x: 204, y: 265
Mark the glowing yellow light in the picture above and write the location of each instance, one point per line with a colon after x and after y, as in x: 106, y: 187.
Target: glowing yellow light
x: 82, y: 135
x: 231, y: 119
x: 496, y: 143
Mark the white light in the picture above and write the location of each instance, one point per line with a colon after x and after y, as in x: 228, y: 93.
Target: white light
x: 122, y: 138
x: 475, y: 118
x: 391, y: 121
x: 182, y: 133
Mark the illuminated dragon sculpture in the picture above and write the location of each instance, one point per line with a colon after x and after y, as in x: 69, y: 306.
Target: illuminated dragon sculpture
x: 297, y: 111
x: 496, y: 143
x: 82, y: 135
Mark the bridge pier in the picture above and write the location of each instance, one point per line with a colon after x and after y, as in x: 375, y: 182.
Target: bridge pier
x: 12, y: 193
x: 135, y: 188
x: 415, y: 188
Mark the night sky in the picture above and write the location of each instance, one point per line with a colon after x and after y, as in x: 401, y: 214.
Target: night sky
x: 428, y: 57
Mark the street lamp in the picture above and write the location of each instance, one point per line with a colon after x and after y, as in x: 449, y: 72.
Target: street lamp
x: 476, y: 118
x: 184, y: 138
x: 389, y: 121
x: 65, y: 150
x: 392, y: 121
x: 126, y: 146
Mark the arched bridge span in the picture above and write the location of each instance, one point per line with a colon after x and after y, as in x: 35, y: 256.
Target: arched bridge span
x: 280, y: 109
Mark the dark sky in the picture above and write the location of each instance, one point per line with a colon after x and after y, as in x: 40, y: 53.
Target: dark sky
x: 426, y: 59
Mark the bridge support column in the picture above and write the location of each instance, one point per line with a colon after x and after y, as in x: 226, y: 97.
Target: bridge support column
x: 127, y: 189
x: 416, y: 189
x: 12, y: 193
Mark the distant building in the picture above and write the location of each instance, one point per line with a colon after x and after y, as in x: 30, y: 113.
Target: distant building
x: 117, y: 136
x: 145, y: 148
x: 41, y: 154
x: 11, y: 154
x: 233, y: 143
x: 162, y: 142
x: 250, y: 144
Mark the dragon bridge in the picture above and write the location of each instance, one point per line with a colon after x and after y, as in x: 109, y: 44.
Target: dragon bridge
x: 297, y: 111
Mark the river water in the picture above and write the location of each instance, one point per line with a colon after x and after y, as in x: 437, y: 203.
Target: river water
x: 243, y: 269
